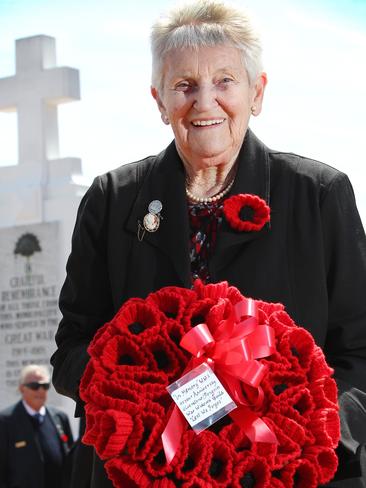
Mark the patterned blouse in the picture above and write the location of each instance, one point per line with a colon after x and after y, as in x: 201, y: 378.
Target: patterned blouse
x: 205, y: 220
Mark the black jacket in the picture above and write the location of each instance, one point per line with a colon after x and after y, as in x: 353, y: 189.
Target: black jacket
x: 21, y: 459
x: 311, y: 257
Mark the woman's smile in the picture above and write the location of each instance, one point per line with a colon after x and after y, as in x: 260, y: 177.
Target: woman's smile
x: 207, y: 123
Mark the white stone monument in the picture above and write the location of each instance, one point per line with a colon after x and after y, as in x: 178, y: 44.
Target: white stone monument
x: 38, y: 202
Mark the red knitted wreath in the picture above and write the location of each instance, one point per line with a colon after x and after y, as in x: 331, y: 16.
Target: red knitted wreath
x: 137, y: 354
x: 237, y: 206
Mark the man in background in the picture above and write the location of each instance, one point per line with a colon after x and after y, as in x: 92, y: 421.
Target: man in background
x: 34, y: 439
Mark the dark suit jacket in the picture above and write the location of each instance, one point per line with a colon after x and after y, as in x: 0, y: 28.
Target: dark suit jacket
x: 21, y: 460
x: 311, y: 257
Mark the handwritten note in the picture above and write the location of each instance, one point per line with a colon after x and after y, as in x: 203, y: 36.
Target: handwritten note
x: 200, y: 396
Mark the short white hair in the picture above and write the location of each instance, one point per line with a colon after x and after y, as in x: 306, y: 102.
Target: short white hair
x: 33, y: 369
x: 204, y: 23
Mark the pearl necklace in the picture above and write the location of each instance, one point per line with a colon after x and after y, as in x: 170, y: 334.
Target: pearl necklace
x: 212, y: 199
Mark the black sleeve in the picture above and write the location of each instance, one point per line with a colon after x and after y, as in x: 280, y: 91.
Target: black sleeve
x: 85, y: 299
x: 4, y: 452
x: 345, y: 254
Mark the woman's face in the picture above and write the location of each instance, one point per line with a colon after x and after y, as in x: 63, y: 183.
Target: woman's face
x: 208, y: 100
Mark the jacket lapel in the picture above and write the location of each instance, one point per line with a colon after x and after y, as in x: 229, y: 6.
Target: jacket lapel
x: 166, y: 183
x: 253, y: 177
x: 59, y: 428
x: 27, y: 428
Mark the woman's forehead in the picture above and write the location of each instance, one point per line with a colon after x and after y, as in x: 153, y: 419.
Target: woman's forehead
x: 204, y: 59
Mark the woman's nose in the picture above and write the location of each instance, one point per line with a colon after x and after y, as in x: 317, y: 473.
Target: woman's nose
x: 205, y: 98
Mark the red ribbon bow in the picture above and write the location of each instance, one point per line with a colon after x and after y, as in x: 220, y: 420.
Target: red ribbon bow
x: 232, y: 353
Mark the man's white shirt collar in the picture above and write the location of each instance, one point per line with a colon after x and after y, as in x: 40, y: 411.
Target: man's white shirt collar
x: 32, y: 412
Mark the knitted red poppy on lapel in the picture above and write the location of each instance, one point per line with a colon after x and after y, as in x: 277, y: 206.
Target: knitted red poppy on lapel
x: 246, y: 213
x: 136, y: 355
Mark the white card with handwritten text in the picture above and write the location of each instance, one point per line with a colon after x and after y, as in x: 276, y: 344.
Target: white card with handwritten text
x: 201, y: 397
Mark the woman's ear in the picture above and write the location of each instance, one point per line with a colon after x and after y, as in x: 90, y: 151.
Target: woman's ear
x: 259, y: 87
x: 156, y: 96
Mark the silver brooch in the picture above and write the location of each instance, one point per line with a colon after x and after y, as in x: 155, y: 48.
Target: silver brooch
x: 151, y: 221
x: 155, y: 207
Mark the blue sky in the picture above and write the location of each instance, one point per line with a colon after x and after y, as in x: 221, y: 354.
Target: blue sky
x: 315, y: 102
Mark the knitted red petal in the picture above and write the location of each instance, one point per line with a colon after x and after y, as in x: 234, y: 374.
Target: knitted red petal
x: 299, y: 406
x: 196, y: 313
x: 109, y: 394
x: 251, y: 471
x: 300, y: 473
x: 219, y: 468
x: 266, y: 450
x: 115, y: 428
x: 196, y: 483
x: 136, y: 317
x: 325, y: 426
x: 289, y: 427
x: 164, y: 357
x: 171, y: 303
x: 106, y: 430
x: 214, y: 291
x: 199, y: 450
x: 140, y: 380
x: 92, y: 416
x: 298, y: 346
x: 124, y: 474
x: 102, y: 336
x: 175, y: 331
x: 235, y: 437
x: 160, y: 397
x: 143, y: 439
x: 185, y: 293
x: 276, y: 483
x: 155, y: 463
x: 318, y: 366
x: 163, y: 483
x: 280, y: 385
x: 222, y: 311
x: 234, y: 295
x: 269, y: 308
x: 156, y: 392
x: 277, y: 362
x: 121, y: 351
x: 172, y: 334
x: 281, y: 322
x: 93, y: 373
x: 324, y: 392
x: 287, y: 449
x: 325, y: 461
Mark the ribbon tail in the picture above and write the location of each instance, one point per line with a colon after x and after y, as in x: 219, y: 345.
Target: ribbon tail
x: 172, y: 434
x: 254, y: 427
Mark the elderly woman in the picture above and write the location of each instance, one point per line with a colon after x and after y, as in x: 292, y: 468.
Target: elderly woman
x: 160, y: 221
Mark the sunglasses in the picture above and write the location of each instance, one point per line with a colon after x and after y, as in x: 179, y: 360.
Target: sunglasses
x: 34, y: 385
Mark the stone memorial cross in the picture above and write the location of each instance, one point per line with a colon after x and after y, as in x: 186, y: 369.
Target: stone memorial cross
x: 34, y: 92
x: 28, y: 190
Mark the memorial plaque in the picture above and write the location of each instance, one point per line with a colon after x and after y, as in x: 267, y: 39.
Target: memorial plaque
x: 29, y: 289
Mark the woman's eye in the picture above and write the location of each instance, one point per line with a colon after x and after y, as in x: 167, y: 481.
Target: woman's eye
x: 183, y: 86
x: 226, y: 80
